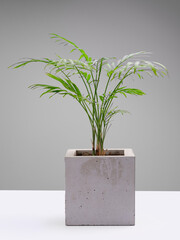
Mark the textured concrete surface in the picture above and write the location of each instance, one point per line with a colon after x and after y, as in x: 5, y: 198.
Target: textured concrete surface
x: 100, y: 190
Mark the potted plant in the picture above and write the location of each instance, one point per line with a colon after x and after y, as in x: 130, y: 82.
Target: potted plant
x: 99, y: 182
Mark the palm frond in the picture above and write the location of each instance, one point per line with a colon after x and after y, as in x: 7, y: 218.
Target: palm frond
x: 83, y: 54
x: 131, y: 91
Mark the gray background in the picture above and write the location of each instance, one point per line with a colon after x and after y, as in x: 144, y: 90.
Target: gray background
x: 36, y: 132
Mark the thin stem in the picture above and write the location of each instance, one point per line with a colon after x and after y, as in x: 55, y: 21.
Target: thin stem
x: 83, y: 80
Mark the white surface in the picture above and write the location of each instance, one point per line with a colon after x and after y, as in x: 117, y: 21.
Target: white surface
x: 39, y: 215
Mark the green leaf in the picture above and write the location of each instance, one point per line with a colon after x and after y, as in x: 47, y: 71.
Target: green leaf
x: 25, y: 62
x: 109, y: 73
x: 161, y: 65
x: 88, y: 77
x: 154, y: 70
x: 53, y: 35
x: 132, y: 91
x: 84, y: 74
x: 73, y: 50
x: 81, y: 57
x: 101, y: 98
x: 140, y: 76
x: 45, y: 86
x: 77, y: 91
x: 48, y: 91
x: 65, y: 84
x: 90, y: 60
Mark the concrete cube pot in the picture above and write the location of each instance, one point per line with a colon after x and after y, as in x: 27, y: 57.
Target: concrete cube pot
x: 100, y: 190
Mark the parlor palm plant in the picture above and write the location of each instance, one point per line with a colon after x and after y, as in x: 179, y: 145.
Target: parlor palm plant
x: 96, y: 101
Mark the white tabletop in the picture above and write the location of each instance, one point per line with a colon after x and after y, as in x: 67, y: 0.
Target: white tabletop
x: 39, y: 215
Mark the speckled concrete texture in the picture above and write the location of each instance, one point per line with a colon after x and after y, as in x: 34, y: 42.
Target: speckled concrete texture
x: 100, y: 190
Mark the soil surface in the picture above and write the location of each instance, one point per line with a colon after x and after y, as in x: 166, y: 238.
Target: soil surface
x: 108, y: 153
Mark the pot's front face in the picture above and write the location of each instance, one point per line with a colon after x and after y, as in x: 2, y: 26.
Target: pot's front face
x: 100, y: 190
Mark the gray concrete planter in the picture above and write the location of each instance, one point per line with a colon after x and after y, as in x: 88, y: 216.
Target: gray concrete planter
x: 100, y: 190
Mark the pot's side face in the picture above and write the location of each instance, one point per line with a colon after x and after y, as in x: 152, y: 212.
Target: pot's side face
x: 100, y: 190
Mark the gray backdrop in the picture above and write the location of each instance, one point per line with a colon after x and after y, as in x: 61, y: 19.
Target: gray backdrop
x: 36, y: 132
